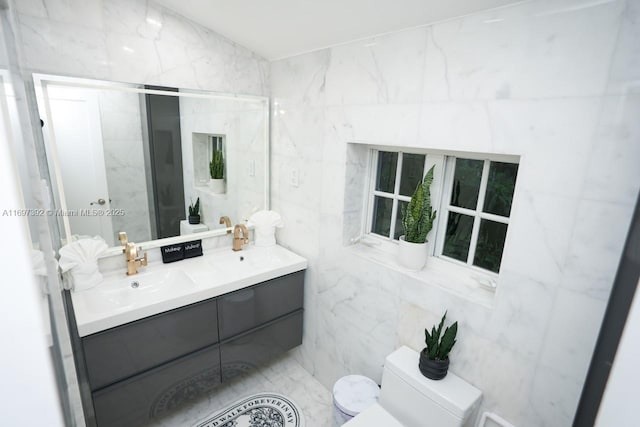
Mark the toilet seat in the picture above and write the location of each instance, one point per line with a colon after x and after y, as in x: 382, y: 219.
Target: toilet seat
x: 374, y: 416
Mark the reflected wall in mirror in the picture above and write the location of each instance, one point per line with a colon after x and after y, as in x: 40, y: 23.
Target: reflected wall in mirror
x: 132, y: 158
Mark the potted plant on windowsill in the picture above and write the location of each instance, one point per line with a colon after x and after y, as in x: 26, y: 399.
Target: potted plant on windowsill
x: 434, y: 358
x: 417, y: 221
x: 216, y: 170
x: 194, y: 212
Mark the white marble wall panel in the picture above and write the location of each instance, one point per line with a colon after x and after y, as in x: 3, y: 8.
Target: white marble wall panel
x: 554, y: 82
x: 619, y: 127
x: 124, y: 160
x: 381, y: 70
x: 471, y: 58
x: 134, y: 41
x: 243, y: 125
x: 625, y: 64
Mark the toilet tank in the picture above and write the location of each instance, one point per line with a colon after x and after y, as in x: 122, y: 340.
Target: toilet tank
x: 417, y: 401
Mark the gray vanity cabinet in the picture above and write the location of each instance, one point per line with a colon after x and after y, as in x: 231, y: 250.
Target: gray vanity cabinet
x: 141, y: 370
x: 249, y: 308
x: 118, y: 353
x: 243, y: 353
x: 155, y: 393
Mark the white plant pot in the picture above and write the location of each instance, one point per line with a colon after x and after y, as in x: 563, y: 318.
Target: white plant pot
x: 216, y: 186
x: 412, y: 256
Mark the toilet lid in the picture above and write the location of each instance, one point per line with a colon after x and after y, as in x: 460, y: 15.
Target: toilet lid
x: 354, y: 393
x: 374, y: 416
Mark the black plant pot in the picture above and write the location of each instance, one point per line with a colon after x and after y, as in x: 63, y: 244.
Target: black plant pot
x: 433, y: 369
x: 194, y: 219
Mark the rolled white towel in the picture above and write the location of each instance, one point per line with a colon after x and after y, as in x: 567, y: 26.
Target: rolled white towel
x: 85, y: 276
x: 79, y: 263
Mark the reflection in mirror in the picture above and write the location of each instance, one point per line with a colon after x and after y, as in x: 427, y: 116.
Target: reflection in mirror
x: 11, y: 133
x: 133, y: 158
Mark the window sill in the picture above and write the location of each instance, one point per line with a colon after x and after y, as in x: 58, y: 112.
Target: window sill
x: 451, y: 278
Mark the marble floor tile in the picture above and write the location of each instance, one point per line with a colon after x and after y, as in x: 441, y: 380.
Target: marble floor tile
x: 283, y: 375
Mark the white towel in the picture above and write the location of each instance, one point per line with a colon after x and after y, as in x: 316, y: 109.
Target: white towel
x: 264, y: 224
x: 79, y: 262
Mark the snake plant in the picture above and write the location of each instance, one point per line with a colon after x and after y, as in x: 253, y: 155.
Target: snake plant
x: 216, y: 166
x: 438, y: 349
x: 194, y: 209
x: 418, y: 216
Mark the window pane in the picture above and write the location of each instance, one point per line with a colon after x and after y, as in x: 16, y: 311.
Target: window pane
x: 382, y: 207
x: 502, y: 181
x: 490, y: 245
x: 399, y: 229
x: 411, y: 174
x: 466, y: 183
x: 386, y: 172
x: 458, y: 236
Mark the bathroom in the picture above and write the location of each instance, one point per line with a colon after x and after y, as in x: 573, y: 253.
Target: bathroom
x: 338, y: 103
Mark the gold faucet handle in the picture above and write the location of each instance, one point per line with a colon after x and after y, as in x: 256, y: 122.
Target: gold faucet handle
x: 227, y: 222
x: 143, y: 260
x: 122, y: 236
x: 245, y: 233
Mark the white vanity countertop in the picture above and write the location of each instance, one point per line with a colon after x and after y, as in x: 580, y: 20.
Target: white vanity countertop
x: 162, y: 287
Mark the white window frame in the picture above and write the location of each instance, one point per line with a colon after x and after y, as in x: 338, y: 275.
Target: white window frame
x: 440, y: 197
x: 430, y: 160
x: 395, y: 196
x: 477, y: 214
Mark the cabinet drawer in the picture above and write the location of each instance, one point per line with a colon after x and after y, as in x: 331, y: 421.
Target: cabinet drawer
x: 153, y: 394
x: 245, y: 309
x: 241, y: 354
x: 129, y: 349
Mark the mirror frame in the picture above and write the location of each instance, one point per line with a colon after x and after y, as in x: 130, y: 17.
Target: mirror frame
x: 41, y: 82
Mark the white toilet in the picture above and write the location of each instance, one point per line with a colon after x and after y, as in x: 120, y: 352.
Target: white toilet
x: 408, y: 399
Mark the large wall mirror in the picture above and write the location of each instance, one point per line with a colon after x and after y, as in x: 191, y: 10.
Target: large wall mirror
x: 126, y: 157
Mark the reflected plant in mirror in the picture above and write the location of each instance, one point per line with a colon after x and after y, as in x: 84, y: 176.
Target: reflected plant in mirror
x: 217, y: 165
x: 194, y: 212
x: 149, y: 152
x: 216, y: 170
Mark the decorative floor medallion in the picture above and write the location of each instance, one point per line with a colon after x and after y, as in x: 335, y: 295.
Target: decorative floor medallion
x: 258, y: 410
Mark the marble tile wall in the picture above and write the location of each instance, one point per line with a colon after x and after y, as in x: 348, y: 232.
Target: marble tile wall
x: 555, y: 82
x: 124, y: 160
x: 243, y: 123
x: 134, y: 41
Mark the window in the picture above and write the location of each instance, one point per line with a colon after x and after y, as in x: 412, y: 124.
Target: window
x: 396, y: 176
x: 473, y: 211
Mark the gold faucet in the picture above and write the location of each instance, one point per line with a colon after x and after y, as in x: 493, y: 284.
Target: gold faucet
x: 227, y: 223
x: 237, y: 240
x: 131, y: 253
